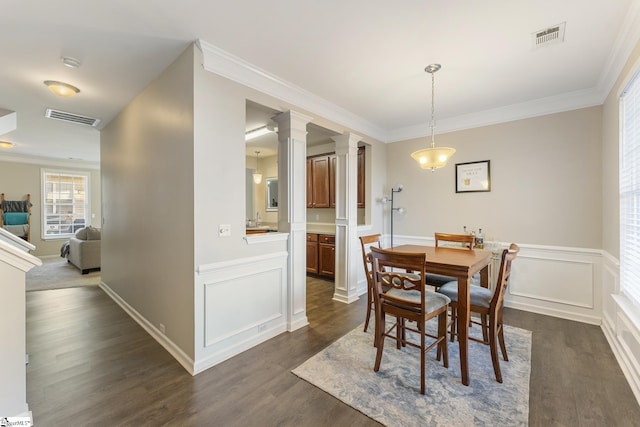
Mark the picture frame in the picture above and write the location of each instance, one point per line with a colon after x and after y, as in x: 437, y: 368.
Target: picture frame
x: 473, y: 177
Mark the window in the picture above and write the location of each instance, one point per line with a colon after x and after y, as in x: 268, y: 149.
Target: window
x: 630, y: 191
x: 65, y: 203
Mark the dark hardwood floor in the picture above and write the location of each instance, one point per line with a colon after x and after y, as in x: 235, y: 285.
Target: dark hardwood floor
x: 91, y: 365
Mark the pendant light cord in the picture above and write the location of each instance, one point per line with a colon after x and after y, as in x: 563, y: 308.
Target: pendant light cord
x: 433, y: 110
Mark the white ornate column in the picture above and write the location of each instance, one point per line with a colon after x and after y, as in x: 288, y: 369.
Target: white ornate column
x: 347, y: 252
x: 292, y: 209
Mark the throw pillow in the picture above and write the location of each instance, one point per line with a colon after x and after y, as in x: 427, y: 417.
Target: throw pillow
x: 81, y: 234
x: 93, y: 233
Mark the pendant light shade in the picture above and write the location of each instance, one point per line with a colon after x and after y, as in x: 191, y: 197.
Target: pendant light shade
x: 433, y: 157
x: 257, y: 177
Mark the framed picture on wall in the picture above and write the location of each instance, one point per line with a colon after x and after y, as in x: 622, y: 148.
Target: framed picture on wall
x: 473, y: 177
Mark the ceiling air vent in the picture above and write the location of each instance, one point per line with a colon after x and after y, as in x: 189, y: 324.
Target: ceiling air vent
x: 549, y: 36
x: 70, y: 117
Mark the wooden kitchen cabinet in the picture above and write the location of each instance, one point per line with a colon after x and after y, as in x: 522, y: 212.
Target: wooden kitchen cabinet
x: 321, y: 180
x: 361, y: 176
x: 321, y: 254
x: 318, y: 169
x: 326, y: 255
x: 312, y: 253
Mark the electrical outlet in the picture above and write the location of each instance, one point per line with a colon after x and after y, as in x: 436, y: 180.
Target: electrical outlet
x: 224, y: 230
x: 162, y: 328
x: 262, y: 328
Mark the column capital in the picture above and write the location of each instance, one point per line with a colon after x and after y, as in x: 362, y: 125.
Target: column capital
x: 291, y: 123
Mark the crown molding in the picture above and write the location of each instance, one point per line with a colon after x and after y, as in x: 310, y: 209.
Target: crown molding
x: 626, y: 41
x: 237, y: 69
x: 537, y: 107
x: 49, y: 161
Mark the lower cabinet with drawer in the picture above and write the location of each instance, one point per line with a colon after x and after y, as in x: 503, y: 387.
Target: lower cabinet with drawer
x: 321, y: 254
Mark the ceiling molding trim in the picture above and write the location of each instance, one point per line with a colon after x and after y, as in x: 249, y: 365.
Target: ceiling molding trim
x: 626, y: 41
x: 48, y: 161
x: 538, y: 107
x: 237, y: 69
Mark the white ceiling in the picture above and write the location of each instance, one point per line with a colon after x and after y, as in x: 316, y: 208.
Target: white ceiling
x: 364, y: 58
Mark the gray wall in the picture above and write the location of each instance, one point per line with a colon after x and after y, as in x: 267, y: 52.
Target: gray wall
x: 19, y: 179
x: 148, y: 203
x: 546, y: 176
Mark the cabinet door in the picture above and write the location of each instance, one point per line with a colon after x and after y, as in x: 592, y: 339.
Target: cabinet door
x: 320, y: 181
x: 309, y: 183
x: 326, y: 255
x: 361, y: 177
x: 332, y: 180
x: 312, y: 253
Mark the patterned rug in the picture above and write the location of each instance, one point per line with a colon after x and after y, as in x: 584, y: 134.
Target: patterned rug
x: 392, y: 395
x: 57, y: 273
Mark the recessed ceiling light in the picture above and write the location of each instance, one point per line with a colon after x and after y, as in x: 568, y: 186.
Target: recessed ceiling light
x: 70, y: 62
x: 6, y: 145
x: 61, y: 89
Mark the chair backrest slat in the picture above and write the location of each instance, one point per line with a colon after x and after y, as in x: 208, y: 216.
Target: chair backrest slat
x: 366, y: 242
x: 391, y: 267
x: 468, y: 240
x: 508, y: 255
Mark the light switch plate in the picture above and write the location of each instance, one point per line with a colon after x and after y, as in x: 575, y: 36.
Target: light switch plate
x: 224, y: 230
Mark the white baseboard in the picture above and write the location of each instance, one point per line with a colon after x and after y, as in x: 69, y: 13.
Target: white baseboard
x: 161, y: 338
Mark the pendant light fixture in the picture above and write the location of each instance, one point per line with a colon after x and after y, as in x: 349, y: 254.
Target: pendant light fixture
x: 257, y: 177
x: 433, y: 158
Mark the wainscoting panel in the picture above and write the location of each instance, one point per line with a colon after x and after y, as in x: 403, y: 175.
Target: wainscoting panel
x: 562, y: 281
x: 243, y: 303
x: 621, y: 323
x: 557, y: 281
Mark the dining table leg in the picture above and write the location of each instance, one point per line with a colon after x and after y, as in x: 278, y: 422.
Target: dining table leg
x: 464, y: 309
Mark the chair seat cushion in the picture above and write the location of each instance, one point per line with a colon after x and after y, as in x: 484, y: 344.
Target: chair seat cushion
x: 433, y: 300
x: 480, y: 297
x: 438, y: 280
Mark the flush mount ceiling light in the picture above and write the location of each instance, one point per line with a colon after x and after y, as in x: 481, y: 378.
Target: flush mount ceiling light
x: 433, y: 158
x: 257, y: 177
x: 6, y: 145
x: 61, y: 89
x: 262, y: 130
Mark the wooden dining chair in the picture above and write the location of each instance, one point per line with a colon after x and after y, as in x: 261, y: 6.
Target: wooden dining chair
x: 462, y: 241
x: 407, y: 300
x: 489, y: 305
x: 366, y: 242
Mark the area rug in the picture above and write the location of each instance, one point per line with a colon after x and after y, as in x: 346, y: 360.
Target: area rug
x: 392, y: 395
x: 57, y: 273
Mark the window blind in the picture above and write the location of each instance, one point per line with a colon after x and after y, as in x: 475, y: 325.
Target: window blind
x: 630, y: 191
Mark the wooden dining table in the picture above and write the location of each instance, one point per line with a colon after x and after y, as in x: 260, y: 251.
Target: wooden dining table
x: 461, y: 264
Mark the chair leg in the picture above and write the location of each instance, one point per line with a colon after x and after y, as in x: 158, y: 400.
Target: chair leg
x: 379, y: 341
x: 369, y: 303
x: 493, y: 344
x: 485, y: 327
x: 422, y: 359
x: 501, y: 340
x: 442, y: 336
x: 454, y: 322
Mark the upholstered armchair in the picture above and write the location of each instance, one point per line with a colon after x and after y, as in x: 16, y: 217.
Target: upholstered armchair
x: 84, y: 249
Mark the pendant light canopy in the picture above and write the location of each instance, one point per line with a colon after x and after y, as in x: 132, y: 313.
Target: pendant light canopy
x: 257, y: 177
x: 433, y: 157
